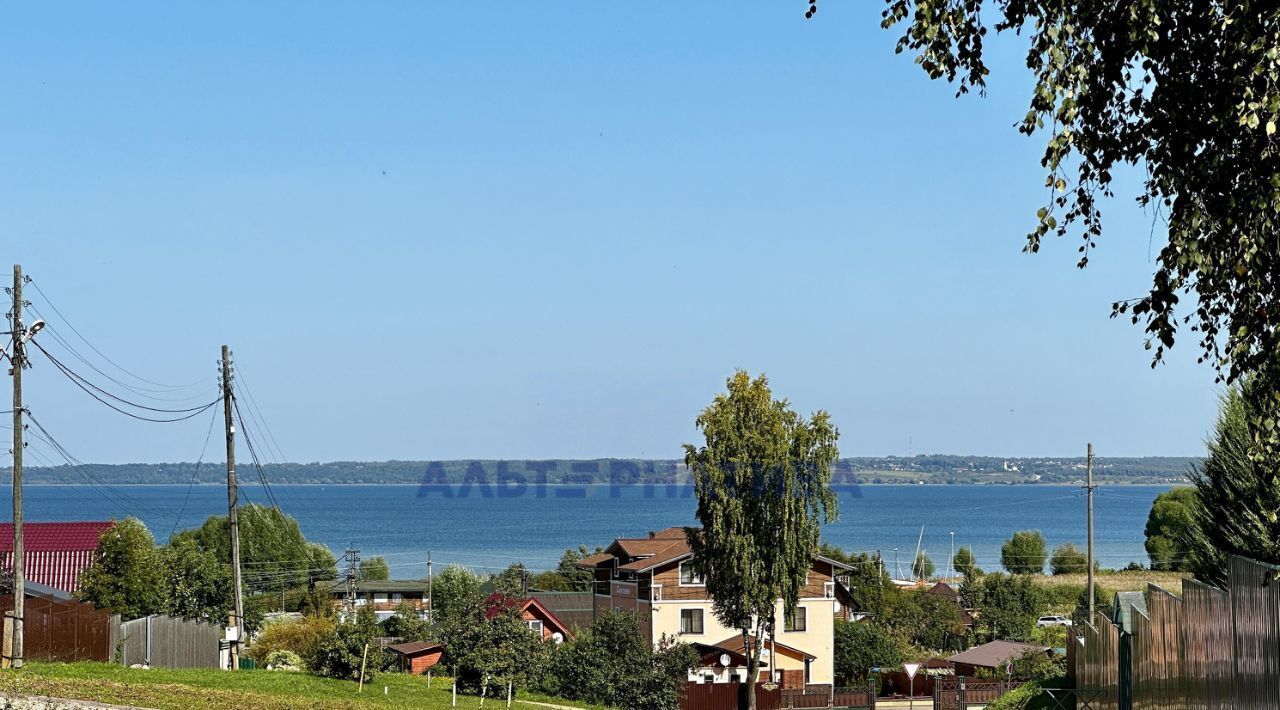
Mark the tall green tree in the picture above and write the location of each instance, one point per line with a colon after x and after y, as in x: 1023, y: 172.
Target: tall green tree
x: 126, y: 575
x: 197, y: 585
x: 456, y: 602
x: 1170, y: 529
x: 1238, y: 511
x: 922, y: 568
x: 762, y: 482
x: 965, y: 563
x: 613, y: 665
x: 272, y: 547
x: 1189, y: 91
x: 1068, y: 559
x: 1007, y: 605
x: 374, y: 569
x: 1024, y: 553
x: 861, y: 646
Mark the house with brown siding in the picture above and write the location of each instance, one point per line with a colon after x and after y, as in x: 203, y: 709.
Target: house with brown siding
x: 386, y: 596
x: 533, y: 613
x: 653, y: 577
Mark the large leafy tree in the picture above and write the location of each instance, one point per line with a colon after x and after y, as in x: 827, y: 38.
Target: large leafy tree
x: 1190, y: 93
x: 1068, y: 559
x: 375, y: 569
x: 861, y: 646
x: 126, y: 575
x: 273, y: 551
x: 1170, y: 527
x: 965, y: 563
x: 1238, y: 494
x: 762, y: 482
x: 1024, y: 553
x: 1007, y: 605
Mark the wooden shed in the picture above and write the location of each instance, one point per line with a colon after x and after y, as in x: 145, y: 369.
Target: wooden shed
x: 417, y: 657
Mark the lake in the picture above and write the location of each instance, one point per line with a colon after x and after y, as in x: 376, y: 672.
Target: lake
x: 487, y: 528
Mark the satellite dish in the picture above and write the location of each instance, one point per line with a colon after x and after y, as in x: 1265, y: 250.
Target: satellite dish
x: 724, y: 660
x: 557, y: 637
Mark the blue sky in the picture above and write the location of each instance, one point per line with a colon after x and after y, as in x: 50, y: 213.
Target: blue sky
x: 443, y: 230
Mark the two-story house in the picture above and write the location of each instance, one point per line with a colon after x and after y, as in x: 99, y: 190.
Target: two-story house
x: 652, y: 576
x: 386, y: 596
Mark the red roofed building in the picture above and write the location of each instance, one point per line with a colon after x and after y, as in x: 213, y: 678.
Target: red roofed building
x: 54, y: 554
x: 539, y: 618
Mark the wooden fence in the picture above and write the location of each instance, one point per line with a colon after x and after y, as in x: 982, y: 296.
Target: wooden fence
x: 1209, y: 649
x: 727, y: 696
x: 65, y: 630
x: 169, y: 642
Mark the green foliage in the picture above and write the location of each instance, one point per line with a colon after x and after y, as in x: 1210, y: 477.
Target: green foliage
x: 1038, y: 666
x: 407, y: 624
x: 1102, y: 601
x: 1238, y: 494
x: 374, y: 569
x: 303, y: 637
x: 567, y: 576
x: 322, y: 566
x: 1069, y: 559
x: 926, y: 620
x: 283, y: 660
x: 965, y: 563
x: 512, y: 581
x: 1007, y: 605
x: 869, y: 583
x: 922, y: 568
x: 1189, y: 91
x: 612, y: 665
x: 341, y: 653
x: 1024, y: 553
x: 489, y: 653
x: 1170, y: 528
x: 271, y: 544
x: 762, y: 482
x: 197, y: 584
x: 861, y: 646
x: 457, y: 598
x: 126, y: 575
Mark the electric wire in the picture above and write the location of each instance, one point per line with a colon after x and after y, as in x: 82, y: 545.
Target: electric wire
x: 66, y: 320
x: 187, y: 498
x: 89, y: 388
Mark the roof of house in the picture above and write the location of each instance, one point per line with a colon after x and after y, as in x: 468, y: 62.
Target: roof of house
x: 55, y: 537
x: 575, y: 609
x: 994, y: 654
x: 498, y: 602
x: 736, y: 644
x: 943, y: 589
x: 661, y: 547
x: 709, y: 656
x: 413, y: 648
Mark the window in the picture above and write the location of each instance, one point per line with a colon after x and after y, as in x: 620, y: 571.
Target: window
x: 690, y: 577
x: 798, y: 619
x: 829, y: 590
x: 690, y: 621
x: 535, y: 625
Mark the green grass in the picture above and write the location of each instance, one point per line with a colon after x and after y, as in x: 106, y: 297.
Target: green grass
x: 189, y: 689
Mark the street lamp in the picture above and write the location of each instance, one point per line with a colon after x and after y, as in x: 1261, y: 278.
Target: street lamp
x: 951, y: 564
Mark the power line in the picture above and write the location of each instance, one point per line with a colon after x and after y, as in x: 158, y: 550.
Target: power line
x: 194, y: 476
x: 89, y: 388
x: 95, y: 349
x: 253, y: 454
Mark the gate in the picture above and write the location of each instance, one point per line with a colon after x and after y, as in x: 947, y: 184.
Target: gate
x: 169, y: 642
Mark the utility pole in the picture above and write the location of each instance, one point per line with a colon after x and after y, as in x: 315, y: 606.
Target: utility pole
x: 1089, y: 489
x: 17, y: 359
x: 431, y: 599
x: 233, y: 520
x: 951, y: 563
x: 352, y: 556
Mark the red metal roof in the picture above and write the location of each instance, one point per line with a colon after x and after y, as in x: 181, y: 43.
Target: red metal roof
x: 55, y: 537
x: 54, y: 554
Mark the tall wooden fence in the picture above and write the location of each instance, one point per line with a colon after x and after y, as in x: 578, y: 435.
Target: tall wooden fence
x: 64, y: 630
x: 169, y: 642
x: 1210, y: 649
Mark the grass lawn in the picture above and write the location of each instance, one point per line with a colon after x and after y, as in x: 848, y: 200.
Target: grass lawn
x: 188, y: 689
x: 1121, y: 581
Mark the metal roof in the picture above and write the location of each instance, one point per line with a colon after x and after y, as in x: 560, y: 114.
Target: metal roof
x: 994, y: 654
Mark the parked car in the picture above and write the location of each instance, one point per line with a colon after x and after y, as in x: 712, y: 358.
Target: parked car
x: 1046, y: 621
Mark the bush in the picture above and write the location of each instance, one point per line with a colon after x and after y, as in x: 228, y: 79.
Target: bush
x: 340, y: 654
x: 1038, y: 665
x: 282, y: 660
x: 300, y: 637
x: 1069, y: 559
x: 861, y: 646
x: 612, y: 664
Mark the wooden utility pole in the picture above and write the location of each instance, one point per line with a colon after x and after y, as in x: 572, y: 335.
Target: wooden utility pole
x: 16, y: 359
x: 1089, y: 489
x: 233, y: 520
x: 431, y: 599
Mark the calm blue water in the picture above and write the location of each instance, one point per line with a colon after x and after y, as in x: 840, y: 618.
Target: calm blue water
x: 486, y: 533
